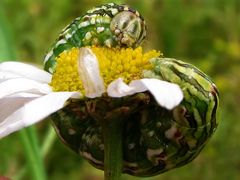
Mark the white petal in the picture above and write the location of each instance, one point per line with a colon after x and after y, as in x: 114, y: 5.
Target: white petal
x: 24, y: 70
x: 28, y: 111
x: 167, y: 94
x: 24, y: 95
x: 89, y: 73
x: 119, y: 88
x: 7, y: 75
x: 9, y: 105
x: 17, y: 85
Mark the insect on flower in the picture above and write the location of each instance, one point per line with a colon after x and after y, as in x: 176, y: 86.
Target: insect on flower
x: 167, y: 107
x: 108, y: 25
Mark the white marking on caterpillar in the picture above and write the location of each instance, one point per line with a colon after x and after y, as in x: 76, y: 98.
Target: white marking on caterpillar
x: 93, y: 16
x: 210, y: 95
x: 131, y: 145
x: 153, y: 152
x: 48, y: 56
x: 130, y: 164
x: 152, y: 155
x: 99, y: 20
x: 100, y: 29
x: 150, y: 133
x: 71, y: 131
x: 83, y: 24
x: 50, y: 70
x: 88, y: 36
x: 89, y: 157
x: 104, y: 7
x: 87, y: 16
x: 117, y: 31
x: 101, y: 147
x: 62, y: 41
x: 108, y: 43
x: 171, y: 132
x: 114, y: 11
x: 93, y: 20
x: 158, y: 124
x: 68, y: 36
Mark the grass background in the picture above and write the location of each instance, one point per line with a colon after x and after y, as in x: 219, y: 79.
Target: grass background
x: 205, y: 33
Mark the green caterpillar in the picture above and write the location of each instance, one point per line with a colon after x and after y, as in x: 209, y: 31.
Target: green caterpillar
x: 108, y: 25
x: 155, y: 139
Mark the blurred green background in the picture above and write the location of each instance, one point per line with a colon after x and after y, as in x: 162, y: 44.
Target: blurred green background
x: 205, y: 33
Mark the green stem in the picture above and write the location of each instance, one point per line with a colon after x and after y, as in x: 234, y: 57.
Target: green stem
x: 32, y: 134
x: 112, y: 115
x: 48, y: 141
x: 45, y: 148
x: 29, y: 140
x: 112, y: 127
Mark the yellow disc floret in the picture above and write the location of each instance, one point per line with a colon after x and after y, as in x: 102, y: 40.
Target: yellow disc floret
x: 114, y: 63
x: 65, y: 77
x: 126, y: 63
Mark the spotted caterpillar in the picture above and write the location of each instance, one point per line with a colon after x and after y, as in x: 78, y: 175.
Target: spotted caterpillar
x: 108, y: 25
x: 155, y: 139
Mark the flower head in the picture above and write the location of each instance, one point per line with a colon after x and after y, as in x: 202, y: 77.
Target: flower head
x: 28, y: 94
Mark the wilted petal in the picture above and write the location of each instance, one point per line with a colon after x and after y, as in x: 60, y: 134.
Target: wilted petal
x: 17, y: 85
x: 28, y: 111
x: 24, y: 70
x: 167, y: 94
x: 89, y: 73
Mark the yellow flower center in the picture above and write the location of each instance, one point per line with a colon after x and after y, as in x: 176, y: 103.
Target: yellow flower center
x: 114, y: 63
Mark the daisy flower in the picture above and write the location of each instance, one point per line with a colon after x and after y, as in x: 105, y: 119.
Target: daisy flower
x: 29, y: 95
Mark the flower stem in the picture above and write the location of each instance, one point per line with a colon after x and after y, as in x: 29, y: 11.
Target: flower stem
x: 48, y: 141
x: 30, y: 143
x: 112, y: 114
x: 112, y: 133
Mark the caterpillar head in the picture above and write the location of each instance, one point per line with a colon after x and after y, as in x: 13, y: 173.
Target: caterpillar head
x: 128, y: 27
